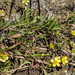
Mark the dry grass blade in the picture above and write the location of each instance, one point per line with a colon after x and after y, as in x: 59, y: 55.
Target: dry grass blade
x: 14, y: 45
x: 16, y: 35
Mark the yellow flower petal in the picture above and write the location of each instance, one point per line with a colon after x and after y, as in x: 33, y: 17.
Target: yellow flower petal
x: 42, y: 54
x: 63, y: 63
x: 65, y: 57
x: 56, y: 58
x: 52, y: 60
x: 66, y: 61
x: 59, y: 61
x: 58, y: 64
x: 54, y: 65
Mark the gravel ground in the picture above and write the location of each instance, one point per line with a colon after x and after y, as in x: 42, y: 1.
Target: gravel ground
x: 49, y: 7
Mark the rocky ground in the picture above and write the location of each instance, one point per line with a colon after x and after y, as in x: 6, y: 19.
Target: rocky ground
x: 50, y: 7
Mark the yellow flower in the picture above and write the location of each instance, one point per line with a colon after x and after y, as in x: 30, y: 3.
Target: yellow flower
x: 3, y: 57
x: 51, y: 46
x: 64, y: 60
x: 25, y: 1
x: 42, y: 54
x: 58, y: 32
x: 56, y: 61
x: 65, y: 71
x: 73, y: 33
x: 1, y: 11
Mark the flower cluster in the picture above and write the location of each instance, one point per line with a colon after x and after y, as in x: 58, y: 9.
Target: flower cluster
x: 73, y: 33
x: 25, y: 1
x: 56, y: 61
x: 3, y: 57
x: 64, y: 60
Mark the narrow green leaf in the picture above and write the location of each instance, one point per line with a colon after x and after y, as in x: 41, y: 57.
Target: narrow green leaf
x: 40, y: 36
x: 35, y: 55
x: 45, y: 73
x: 34, y: 21
x: 53, y: 23
x: 17, y: 52
x: 47, y: 54
x: 26, y: 62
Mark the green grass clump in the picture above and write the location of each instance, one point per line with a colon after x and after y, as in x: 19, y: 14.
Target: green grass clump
x: 33, y: 41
